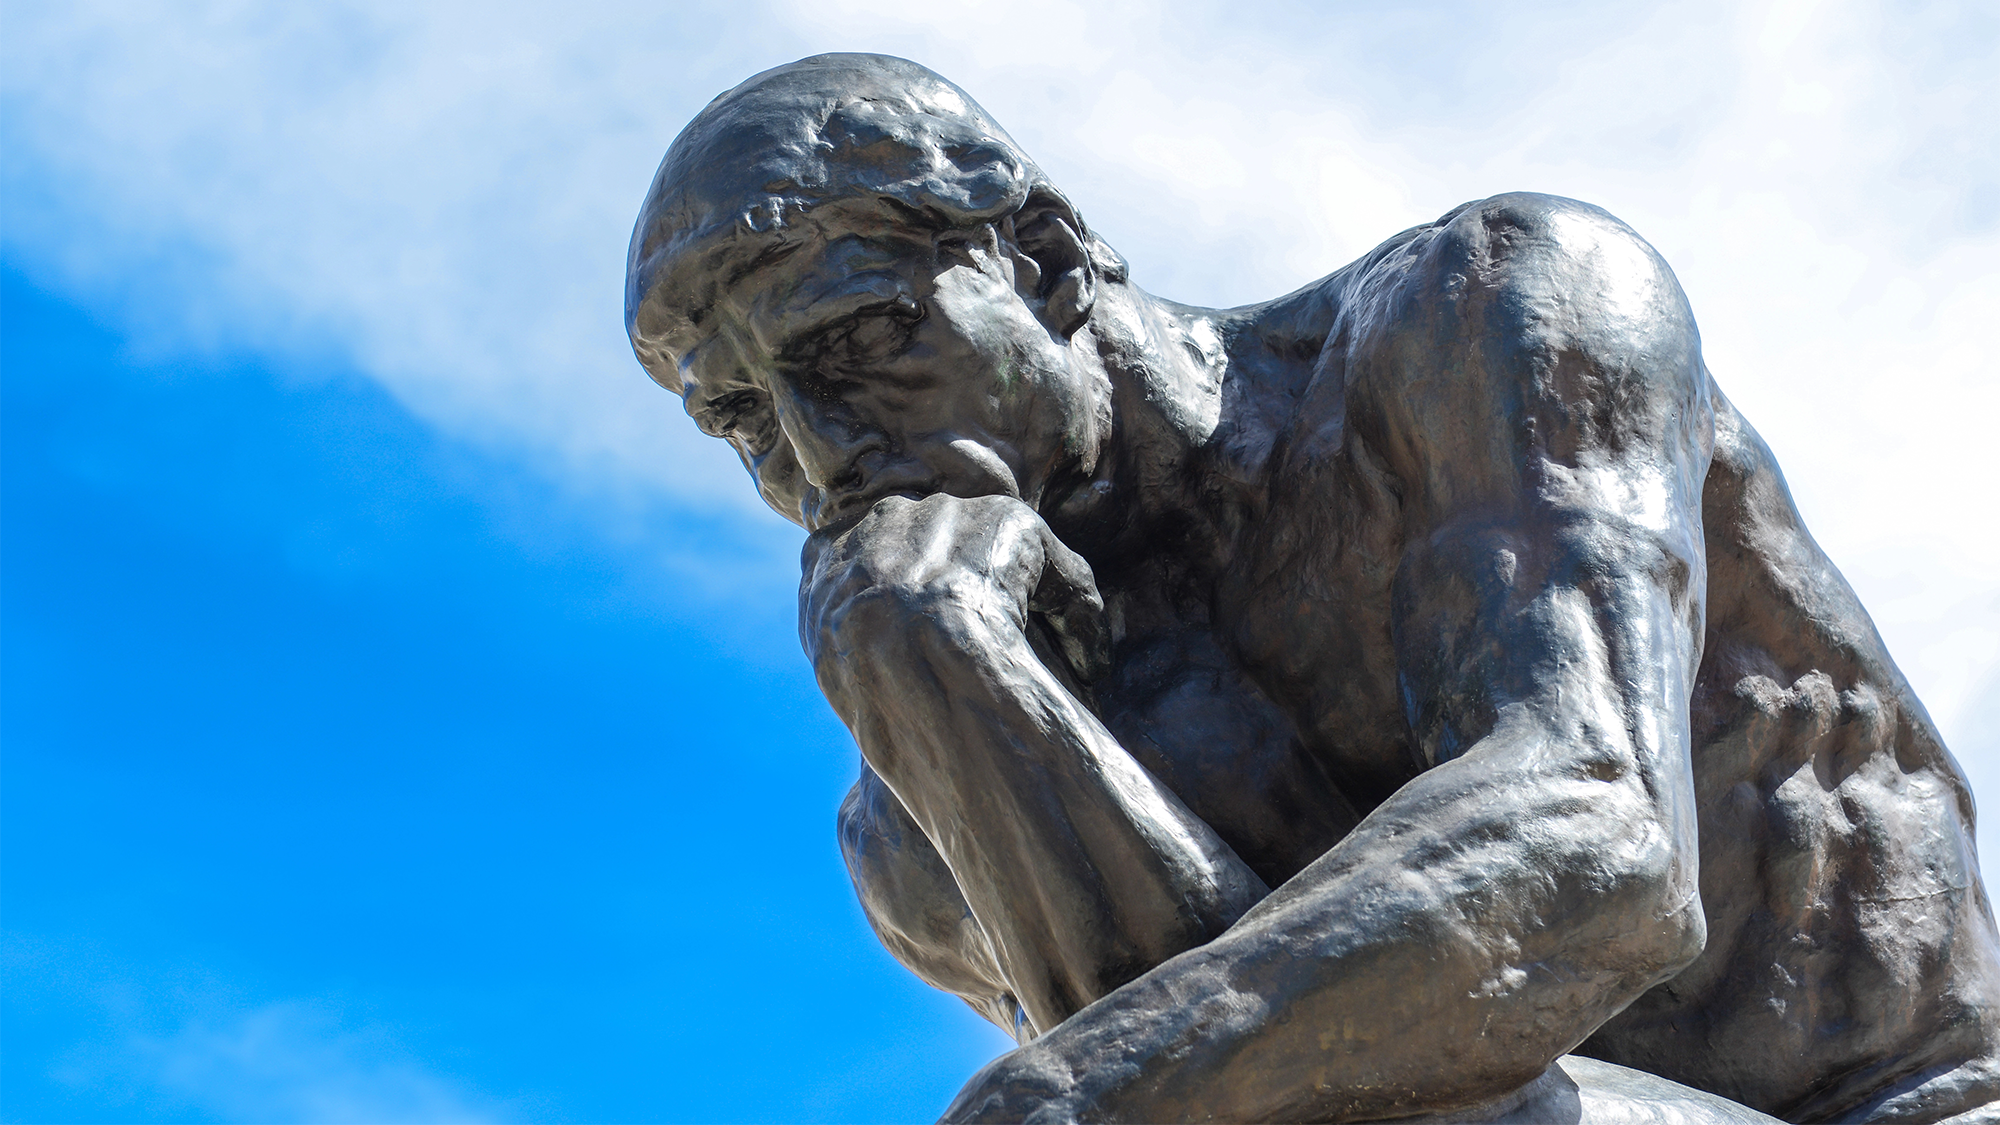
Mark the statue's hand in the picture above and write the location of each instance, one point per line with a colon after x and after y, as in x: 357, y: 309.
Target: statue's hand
x: 976, y: 568
x: 924, y: 623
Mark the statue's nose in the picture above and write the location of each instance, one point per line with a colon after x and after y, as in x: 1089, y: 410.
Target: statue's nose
x: 829, y: 436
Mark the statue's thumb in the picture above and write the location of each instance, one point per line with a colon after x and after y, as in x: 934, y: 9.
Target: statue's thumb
x: 1068, y: 600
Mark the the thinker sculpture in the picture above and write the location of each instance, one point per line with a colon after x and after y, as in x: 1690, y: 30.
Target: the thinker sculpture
x: 1339, y: 708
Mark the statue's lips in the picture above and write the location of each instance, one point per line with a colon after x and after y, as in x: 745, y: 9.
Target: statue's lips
x: 851, y: 504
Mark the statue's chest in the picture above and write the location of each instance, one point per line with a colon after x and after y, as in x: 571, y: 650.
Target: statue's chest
x: 1307, y: 614
x: 1179, y: 703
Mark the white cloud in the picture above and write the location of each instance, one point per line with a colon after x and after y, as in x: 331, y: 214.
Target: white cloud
x: 1824, y: 177
x: 443, y: 193
x: 291, y: 1061
x: 439, y: 193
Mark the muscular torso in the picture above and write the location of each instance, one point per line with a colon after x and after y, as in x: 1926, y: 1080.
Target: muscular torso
x: 1850, y: 952
x: 1849, y: 941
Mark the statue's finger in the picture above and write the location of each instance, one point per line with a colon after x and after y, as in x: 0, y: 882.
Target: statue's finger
x: 1067, y: 598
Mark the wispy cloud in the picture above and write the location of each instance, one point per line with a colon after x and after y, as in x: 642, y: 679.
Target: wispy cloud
x: 442, y: 193
x: 174, y: 1042
x: 437, y: 193
x: 292, y: 1061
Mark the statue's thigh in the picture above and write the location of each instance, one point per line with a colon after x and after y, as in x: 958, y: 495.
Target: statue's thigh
x: 1577, y: 1090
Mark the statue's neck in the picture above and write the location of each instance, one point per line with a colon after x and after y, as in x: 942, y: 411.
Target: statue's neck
x: 1200, y: 398
x: 1155, y: 485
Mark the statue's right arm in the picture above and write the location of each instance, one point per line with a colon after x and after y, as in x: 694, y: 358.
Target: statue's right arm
x: 1081, y: 868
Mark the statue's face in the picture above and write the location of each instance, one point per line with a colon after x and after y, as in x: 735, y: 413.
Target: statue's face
x: 901, y: 364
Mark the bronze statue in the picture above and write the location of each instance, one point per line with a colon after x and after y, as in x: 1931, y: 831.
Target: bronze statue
x: 1339, y: 708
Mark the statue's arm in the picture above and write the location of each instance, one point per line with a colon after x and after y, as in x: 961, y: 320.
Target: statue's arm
x: 1081, y: 868
x: 1532, y: 378
x: 913, y: 904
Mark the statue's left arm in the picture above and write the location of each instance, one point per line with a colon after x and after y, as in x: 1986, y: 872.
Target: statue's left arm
x: 1529, y: 377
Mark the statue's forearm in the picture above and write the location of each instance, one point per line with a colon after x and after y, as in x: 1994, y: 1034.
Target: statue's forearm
x: 1471, y: 929
x: 1082, y: 868
x: 1476, y: 925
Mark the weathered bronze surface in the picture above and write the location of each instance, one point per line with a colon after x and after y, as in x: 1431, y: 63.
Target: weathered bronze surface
x: 1338, y: 708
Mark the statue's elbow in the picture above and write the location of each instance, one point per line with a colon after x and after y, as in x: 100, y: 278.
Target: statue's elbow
x: 1663, y: 928
x: 1630, y: 909
x: 1661, y: 945
x: 1686, y: 937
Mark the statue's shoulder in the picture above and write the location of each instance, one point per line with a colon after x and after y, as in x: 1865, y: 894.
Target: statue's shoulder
x: 1519, y: 314
x: 1554, y: 228
x: 1432, y: 332
x: 1542, y: 271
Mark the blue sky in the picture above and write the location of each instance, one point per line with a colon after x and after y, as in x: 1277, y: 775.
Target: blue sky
x: 329, y: 796
x: 402, y: 713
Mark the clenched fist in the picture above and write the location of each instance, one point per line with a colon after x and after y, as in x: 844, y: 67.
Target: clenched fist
x: 1080, y: 867
x: 974, y: 569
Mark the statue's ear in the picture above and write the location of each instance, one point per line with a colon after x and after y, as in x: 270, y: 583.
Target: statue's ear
x: 1049, y: 233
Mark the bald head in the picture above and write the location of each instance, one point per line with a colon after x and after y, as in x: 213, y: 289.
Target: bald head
x: 829, y: 147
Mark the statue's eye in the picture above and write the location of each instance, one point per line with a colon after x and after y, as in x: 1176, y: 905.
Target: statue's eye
x: 872, y: 338
x: 731, y: 413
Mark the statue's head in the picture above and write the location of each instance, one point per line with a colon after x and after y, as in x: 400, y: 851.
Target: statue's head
x: 851, y: 273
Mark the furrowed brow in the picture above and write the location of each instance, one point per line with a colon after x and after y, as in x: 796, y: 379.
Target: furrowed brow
x: 797, y: 327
